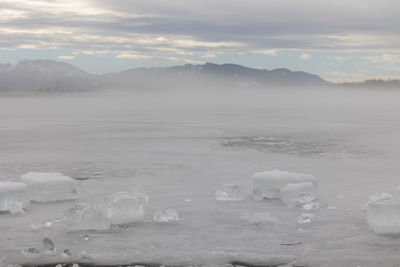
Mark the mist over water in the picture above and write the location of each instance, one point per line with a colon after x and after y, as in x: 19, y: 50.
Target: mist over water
x: 181, y: 144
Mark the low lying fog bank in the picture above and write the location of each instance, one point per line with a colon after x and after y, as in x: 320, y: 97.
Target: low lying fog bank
x: 316, y: 101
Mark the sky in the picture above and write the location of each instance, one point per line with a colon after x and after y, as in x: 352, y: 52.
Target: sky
x: 340, y: 40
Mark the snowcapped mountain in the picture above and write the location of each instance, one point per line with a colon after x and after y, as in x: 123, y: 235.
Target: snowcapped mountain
x: 48, y: 75
x: 44, y: 75
x: 210, y: 75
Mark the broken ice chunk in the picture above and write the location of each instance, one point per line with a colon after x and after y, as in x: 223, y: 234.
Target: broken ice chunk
x: 48, y: 244
x: 379, y: 197
x: 166, y: 216
x: 384, y: 216
x: 16, y: 209
x: 126, y: 207
x: 229, y: 192
x: 88, y: 217
x: 268, y: 184
x: 299, y: 195
x: 14, y: 196
x: 305, y: 218
x: 66, y: 253
x: 50, y: 186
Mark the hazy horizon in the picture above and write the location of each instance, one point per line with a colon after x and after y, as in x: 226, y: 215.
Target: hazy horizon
x: 337, y: 40
x: 214, y: 166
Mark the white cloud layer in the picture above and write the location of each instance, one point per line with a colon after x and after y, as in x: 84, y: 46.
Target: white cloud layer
x: 186, y: 26
x: 66, y: 57
x: 305, y: 56
x: 384, y: 58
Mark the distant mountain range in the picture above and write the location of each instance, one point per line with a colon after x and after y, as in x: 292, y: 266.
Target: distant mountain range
x: 48, y: 75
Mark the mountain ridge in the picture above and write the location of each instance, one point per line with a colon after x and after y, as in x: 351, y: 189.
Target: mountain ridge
x: 50, y: 75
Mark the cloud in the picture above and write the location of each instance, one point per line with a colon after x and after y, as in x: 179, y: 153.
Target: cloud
x: 208, y: 55
x: 338, y: 76
x: 384, y: 58
x: 270, y: 52
x: 66, y: 57
x: 162, y: 58
x: 361, y: 75
x: 131, y: 56
x: 200, y: 26
x: 305, y: 56
x: 340, y: 58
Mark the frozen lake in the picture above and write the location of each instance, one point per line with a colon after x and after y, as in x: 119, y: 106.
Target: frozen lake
x: 180, y: 147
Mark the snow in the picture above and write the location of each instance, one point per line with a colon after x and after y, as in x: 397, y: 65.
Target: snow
x: 13, y: 196
x: 173, y: 149
x: 268, y: 184
x: 50, y: 186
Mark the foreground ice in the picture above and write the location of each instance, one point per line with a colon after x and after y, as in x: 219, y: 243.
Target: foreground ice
x: 166, y: 216
x: 379, y: 197
x: 229, y: 192
x: 299, y: 195
x: 87, y: 217
x: 268, y: 184
x: 50, y: 186
x: 383, y: 214
x: 126, y: 207
x: 305, y: 218
x: 14, y: 196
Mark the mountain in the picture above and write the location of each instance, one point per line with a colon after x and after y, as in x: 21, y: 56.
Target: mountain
x: 209, y: 75
x: 373, y: 84
x: 30, y: 75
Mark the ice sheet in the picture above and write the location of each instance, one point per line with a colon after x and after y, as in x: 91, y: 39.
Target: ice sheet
x: 174, y: 151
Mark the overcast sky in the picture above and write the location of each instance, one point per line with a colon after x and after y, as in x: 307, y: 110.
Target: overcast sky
x: 338, y: 40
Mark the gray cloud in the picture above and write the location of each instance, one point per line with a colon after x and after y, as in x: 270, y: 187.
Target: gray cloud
x: 200, y: 26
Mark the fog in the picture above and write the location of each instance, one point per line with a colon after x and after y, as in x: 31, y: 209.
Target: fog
x: 170, y: 142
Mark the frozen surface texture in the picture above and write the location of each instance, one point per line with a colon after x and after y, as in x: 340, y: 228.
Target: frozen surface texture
x: 170, y: 144
x: 268, y: 184
x: 261, y: 218
x: 14, y: 196
x: 230, y: 192
x: 166, y: 216
x: 302, y: 195
x: 50, y: 186
x: 124, y: 208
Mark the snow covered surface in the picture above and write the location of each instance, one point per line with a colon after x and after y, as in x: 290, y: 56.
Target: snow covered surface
x: 49, y: 186
x: 173, y: 150
x: 13, y: 196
